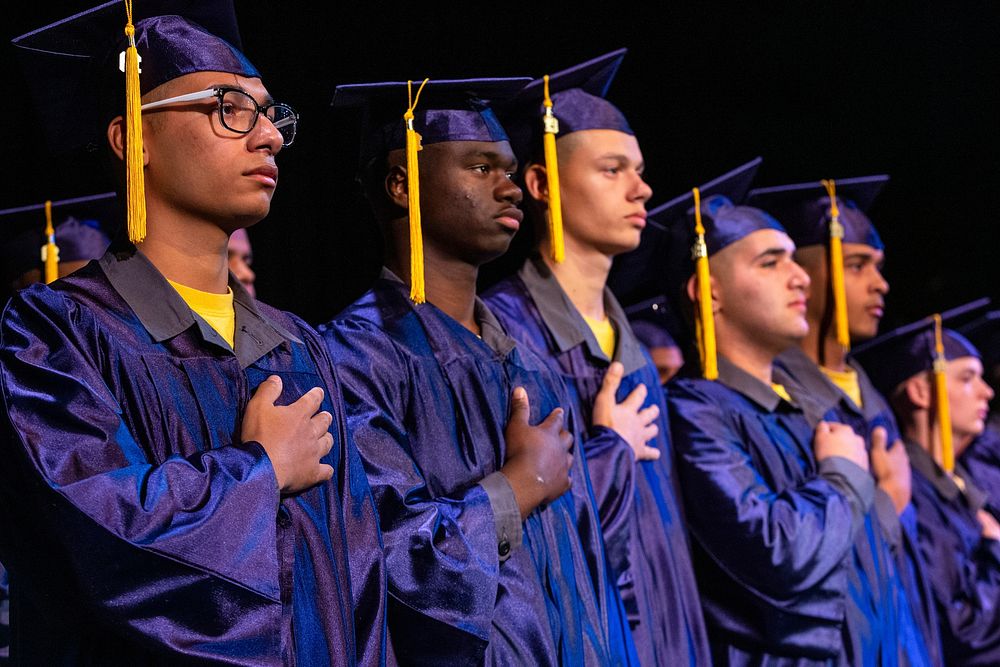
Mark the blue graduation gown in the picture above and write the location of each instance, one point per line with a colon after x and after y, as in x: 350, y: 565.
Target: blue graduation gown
x: 963, y: 567
x: 137, y: 527
x: 773, y: 529
x: 900, y: 609
x: 981, y: 459
x: 640, y: 515
x: 428, y: 402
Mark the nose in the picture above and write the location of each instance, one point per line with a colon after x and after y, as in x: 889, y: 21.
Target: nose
x: 265, y: 136
x: 508, y: 191
x: 641, y: 191
x: 881, y: 285
x: 987, y: 390
x: 800, y: 277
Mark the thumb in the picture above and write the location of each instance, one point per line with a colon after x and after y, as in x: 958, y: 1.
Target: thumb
x: 879, y: 438
x: 612, y: 379
x: 269, y: 390
x: 519, y: 407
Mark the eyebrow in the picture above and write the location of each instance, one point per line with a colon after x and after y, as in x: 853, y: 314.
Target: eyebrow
x: 230, y: 86
x: 492, y: 156
x: 772, y: 252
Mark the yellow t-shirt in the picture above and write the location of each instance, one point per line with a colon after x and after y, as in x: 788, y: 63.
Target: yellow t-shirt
x: 780, y: 390
x: 604, y: 331
x: 847, y: 381
x: 216, y: 309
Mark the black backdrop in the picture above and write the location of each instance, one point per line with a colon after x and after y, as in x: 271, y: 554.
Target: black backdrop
x: 820, y: 90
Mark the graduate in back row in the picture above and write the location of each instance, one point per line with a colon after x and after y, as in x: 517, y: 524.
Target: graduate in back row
x: 780, y: 506
x: 933, y: 377
x: 491, y: 530
x: 559, y: 306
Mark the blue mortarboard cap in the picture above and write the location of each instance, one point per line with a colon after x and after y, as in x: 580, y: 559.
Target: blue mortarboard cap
x: 448, y: 110
x: 577, y: 102
x: 653, y: 266
x: 984, y: 333
x: 76, y: 59
x: 804, y: 209
x: 901, y: 353
x: 79, y: 231
x: 652, y: 322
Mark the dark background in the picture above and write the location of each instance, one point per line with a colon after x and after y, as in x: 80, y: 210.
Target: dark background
x: 819, y: 89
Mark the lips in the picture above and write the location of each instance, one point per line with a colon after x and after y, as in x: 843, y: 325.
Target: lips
x: 266, y: 174
x: 798, y: 304
x: 510, y: 218
x: 875, y: 310
x: 638, y: 219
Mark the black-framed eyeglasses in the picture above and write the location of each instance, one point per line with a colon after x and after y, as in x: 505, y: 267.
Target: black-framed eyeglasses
x: 238, y: 111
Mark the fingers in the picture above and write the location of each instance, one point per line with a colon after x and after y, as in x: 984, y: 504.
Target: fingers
x: 310, y: 401
x: 649, y: 432
x: 647, y: 415
x: 566, y: 438
x: 324, y: 473
x: 325, y: 444
x: 823, y: 427
x: 647, y: 453
x: 519, y: 407
x: 321, y: 423
x: 636, y: 397
x: 269, y: 390
x: 553, y: 421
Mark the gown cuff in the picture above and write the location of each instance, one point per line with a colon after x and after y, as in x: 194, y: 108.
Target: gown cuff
x: 506, y: 514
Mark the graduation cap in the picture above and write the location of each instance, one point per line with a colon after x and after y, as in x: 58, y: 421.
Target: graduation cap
x: 827, y: 213
x: 32, y: 240
x: 75, y: 68
x: 449, y: 110
x: 652, y: 322
x: 556, y: 105
x: 984, y: 333
x: 925, y: 345
x: 681, y: 235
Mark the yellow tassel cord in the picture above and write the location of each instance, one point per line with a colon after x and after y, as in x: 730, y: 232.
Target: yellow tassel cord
x: 417, y: 291
x: 50, y: 251
x: 705, y: 321
x: 134, y: 185
x: 550, y: 125
x: 943, y: 408
x: 837, y: 268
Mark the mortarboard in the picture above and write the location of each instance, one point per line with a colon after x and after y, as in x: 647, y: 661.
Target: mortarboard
x: 33, y: 239
x: 684, y: 232
x: 556, y: 105
x: 394, y: 117
x: 75, y: 68
x: 984, y: 333
x: 925, y: 345
x: 652, y: 322
x: 827, y: 213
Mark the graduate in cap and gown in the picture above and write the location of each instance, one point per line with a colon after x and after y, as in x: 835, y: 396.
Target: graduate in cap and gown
x: 982, y: 457
x: 491, y: 529
x: 178, y: 483
x: 777, y: 505
x: 591, y: 198
x: 55, y: 238
x: 932, y: 377
x: 837, y: 244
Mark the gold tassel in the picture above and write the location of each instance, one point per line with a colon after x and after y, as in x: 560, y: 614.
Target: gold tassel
x: 50, y: 251
x: 550, y: 125
x: 134, y: 184
x: 941, y: 391
x: 837, y: 268
x: 417, y: 290
x: 706, y: 321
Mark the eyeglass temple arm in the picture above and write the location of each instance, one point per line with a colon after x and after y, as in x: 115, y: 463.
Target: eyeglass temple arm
x: 189, y: 97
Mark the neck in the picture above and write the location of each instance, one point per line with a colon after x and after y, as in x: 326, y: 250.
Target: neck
x: 582, y: 275
x: 924, y: 430
x: 187, y: 250
x: 824, y: 350
x: 449, y: 283
x: 745, y: 352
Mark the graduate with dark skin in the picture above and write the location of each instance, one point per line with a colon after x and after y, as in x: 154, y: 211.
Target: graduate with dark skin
x: 469, y: 211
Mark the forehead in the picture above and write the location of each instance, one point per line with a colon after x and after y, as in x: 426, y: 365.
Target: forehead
x: 862, y: 249
x: 963, y: 364
x: 195, y: 81
x: 762, y: 240
x: 460, y: 150
x: 596, y: 143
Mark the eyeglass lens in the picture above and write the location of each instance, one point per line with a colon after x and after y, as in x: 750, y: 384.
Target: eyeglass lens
x: 239, y: 113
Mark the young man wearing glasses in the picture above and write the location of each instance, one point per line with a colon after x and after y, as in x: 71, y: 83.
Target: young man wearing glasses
x: 178, y: 483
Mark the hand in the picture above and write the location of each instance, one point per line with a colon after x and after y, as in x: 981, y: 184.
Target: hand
x: 891, y: 467
x: 991, y: 529
x: 538, y: 457
x: 295, y: 436
x: 833, y: 439
x: 629, y: 419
